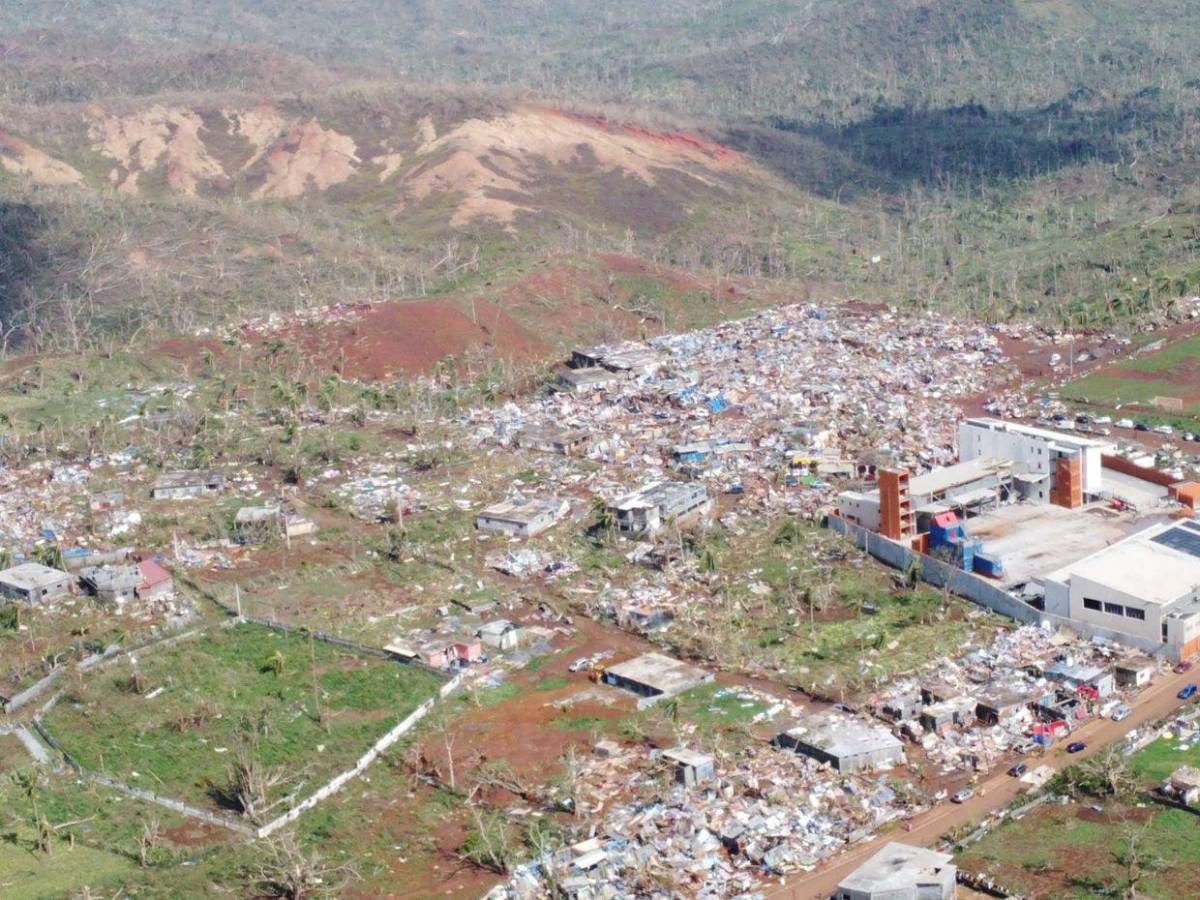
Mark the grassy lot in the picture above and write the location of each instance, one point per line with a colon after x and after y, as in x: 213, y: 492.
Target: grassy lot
x: 1075, y: 851
x: 218, y: 689
x: 1111, y: 391
x: 1167, y: 358
x: 28, y: 875
x: 1155, y: 762
x: 814, y: 608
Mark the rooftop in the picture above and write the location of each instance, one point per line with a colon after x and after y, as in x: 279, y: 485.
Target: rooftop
x: 30, y: 575
x: 848, y: 737
x: 896, y: 867
x: 1123, y: 566
x: 1058, y: 437
x: 663, y: 673
x: 962, y: 473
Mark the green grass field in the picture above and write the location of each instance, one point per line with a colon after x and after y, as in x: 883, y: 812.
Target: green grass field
x: 216, y: 687
x: 28, y: 875
x: 1074, y: 852
x: 1160, y: 759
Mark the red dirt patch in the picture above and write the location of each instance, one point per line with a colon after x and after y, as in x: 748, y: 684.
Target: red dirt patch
x: 383, y: 340
x: 196, y: 834
x: 677, y: 140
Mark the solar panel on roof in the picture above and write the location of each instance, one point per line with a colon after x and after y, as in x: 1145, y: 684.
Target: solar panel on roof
x: 1181, y: 539
x: 1190, y: 524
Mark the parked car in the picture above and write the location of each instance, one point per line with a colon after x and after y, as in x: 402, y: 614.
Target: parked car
x: 1018, y: 770
x: 1188, y: 692
x: 1076, y: 747
x: 1165, y: 429
x: 1182, y: 666
x: 963, y: 796
x: 940, y: 796
x: 1141, y: 426
x: 1124, y: 423
x: 1121, y: 713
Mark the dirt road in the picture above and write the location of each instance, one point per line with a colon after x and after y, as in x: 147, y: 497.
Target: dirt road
x: 1156, y: 702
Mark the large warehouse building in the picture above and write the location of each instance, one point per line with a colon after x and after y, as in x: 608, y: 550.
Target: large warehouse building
x: 1144, y: 589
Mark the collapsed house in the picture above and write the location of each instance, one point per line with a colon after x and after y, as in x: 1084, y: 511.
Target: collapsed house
x: 188, y: 484
x: 902, y: 872
x: 1182, y: 786
x: 111, y: 584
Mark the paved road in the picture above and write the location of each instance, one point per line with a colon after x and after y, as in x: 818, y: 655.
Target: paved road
x: 1155, y: 703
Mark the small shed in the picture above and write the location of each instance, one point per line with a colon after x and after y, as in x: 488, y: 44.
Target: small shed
x: 691, y: 767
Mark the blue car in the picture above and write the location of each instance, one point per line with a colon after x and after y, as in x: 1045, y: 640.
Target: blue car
x: 1188, y: 692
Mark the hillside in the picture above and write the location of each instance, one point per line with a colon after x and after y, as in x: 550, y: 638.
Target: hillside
x: 168, y: 169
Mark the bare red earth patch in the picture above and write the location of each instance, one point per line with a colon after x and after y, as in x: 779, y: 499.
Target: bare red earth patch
x: 412, y: 337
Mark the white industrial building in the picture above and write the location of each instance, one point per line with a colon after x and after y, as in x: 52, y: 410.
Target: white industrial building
x: 1144, y: 589
x: 1035, y: 453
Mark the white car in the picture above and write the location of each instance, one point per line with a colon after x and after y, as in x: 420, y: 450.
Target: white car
x: 1124, y: 423
x: 1121, y: 713
x: 1165, y: 429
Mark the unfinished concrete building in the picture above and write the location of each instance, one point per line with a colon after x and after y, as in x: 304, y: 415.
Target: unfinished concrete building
x: 902, y: 872
x: 1053, y: 467
x: 653, y: 506
x: 522, y: 518
x: 654, y: 676
x: 34, y: 583
x: 849, y: 745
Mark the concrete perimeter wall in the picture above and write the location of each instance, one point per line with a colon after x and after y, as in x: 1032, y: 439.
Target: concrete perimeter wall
x: 935, y: 572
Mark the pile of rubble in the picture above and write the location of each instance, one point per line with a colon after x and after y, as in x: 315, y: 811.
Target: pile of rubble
x: 717, y: 831
x: 736, y: 404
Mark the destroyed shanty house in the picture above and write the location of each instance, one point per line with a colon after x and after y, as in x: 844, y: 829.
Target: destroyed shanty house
x: 691, y: 766
x: 111, y: 584
x: 1143, y: 590
x: 1134, y: 671
x: 501, y: 634
x: 638, y: 359
x: 902, y: 872
x: 34, y: 583
x: 187, y: 484
x: 257, y: 523
x: 438, y: 653
x: 563, y: 441
x: 583, y: 381
x: 522, y: 518
x: 1183, y: 786
x: 757, y: 814
x: 1054, y: 467
x: 654, y: 676
x: 1074, y: 676
x: 849, y: 745
x: 154, y: 582
x: 104, y: 501
x: 655, y: 505
x: 698, y: 457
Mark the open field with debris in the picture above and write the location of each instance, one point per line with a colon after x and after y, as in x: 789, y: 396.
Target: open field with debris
x: 178, y: 719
